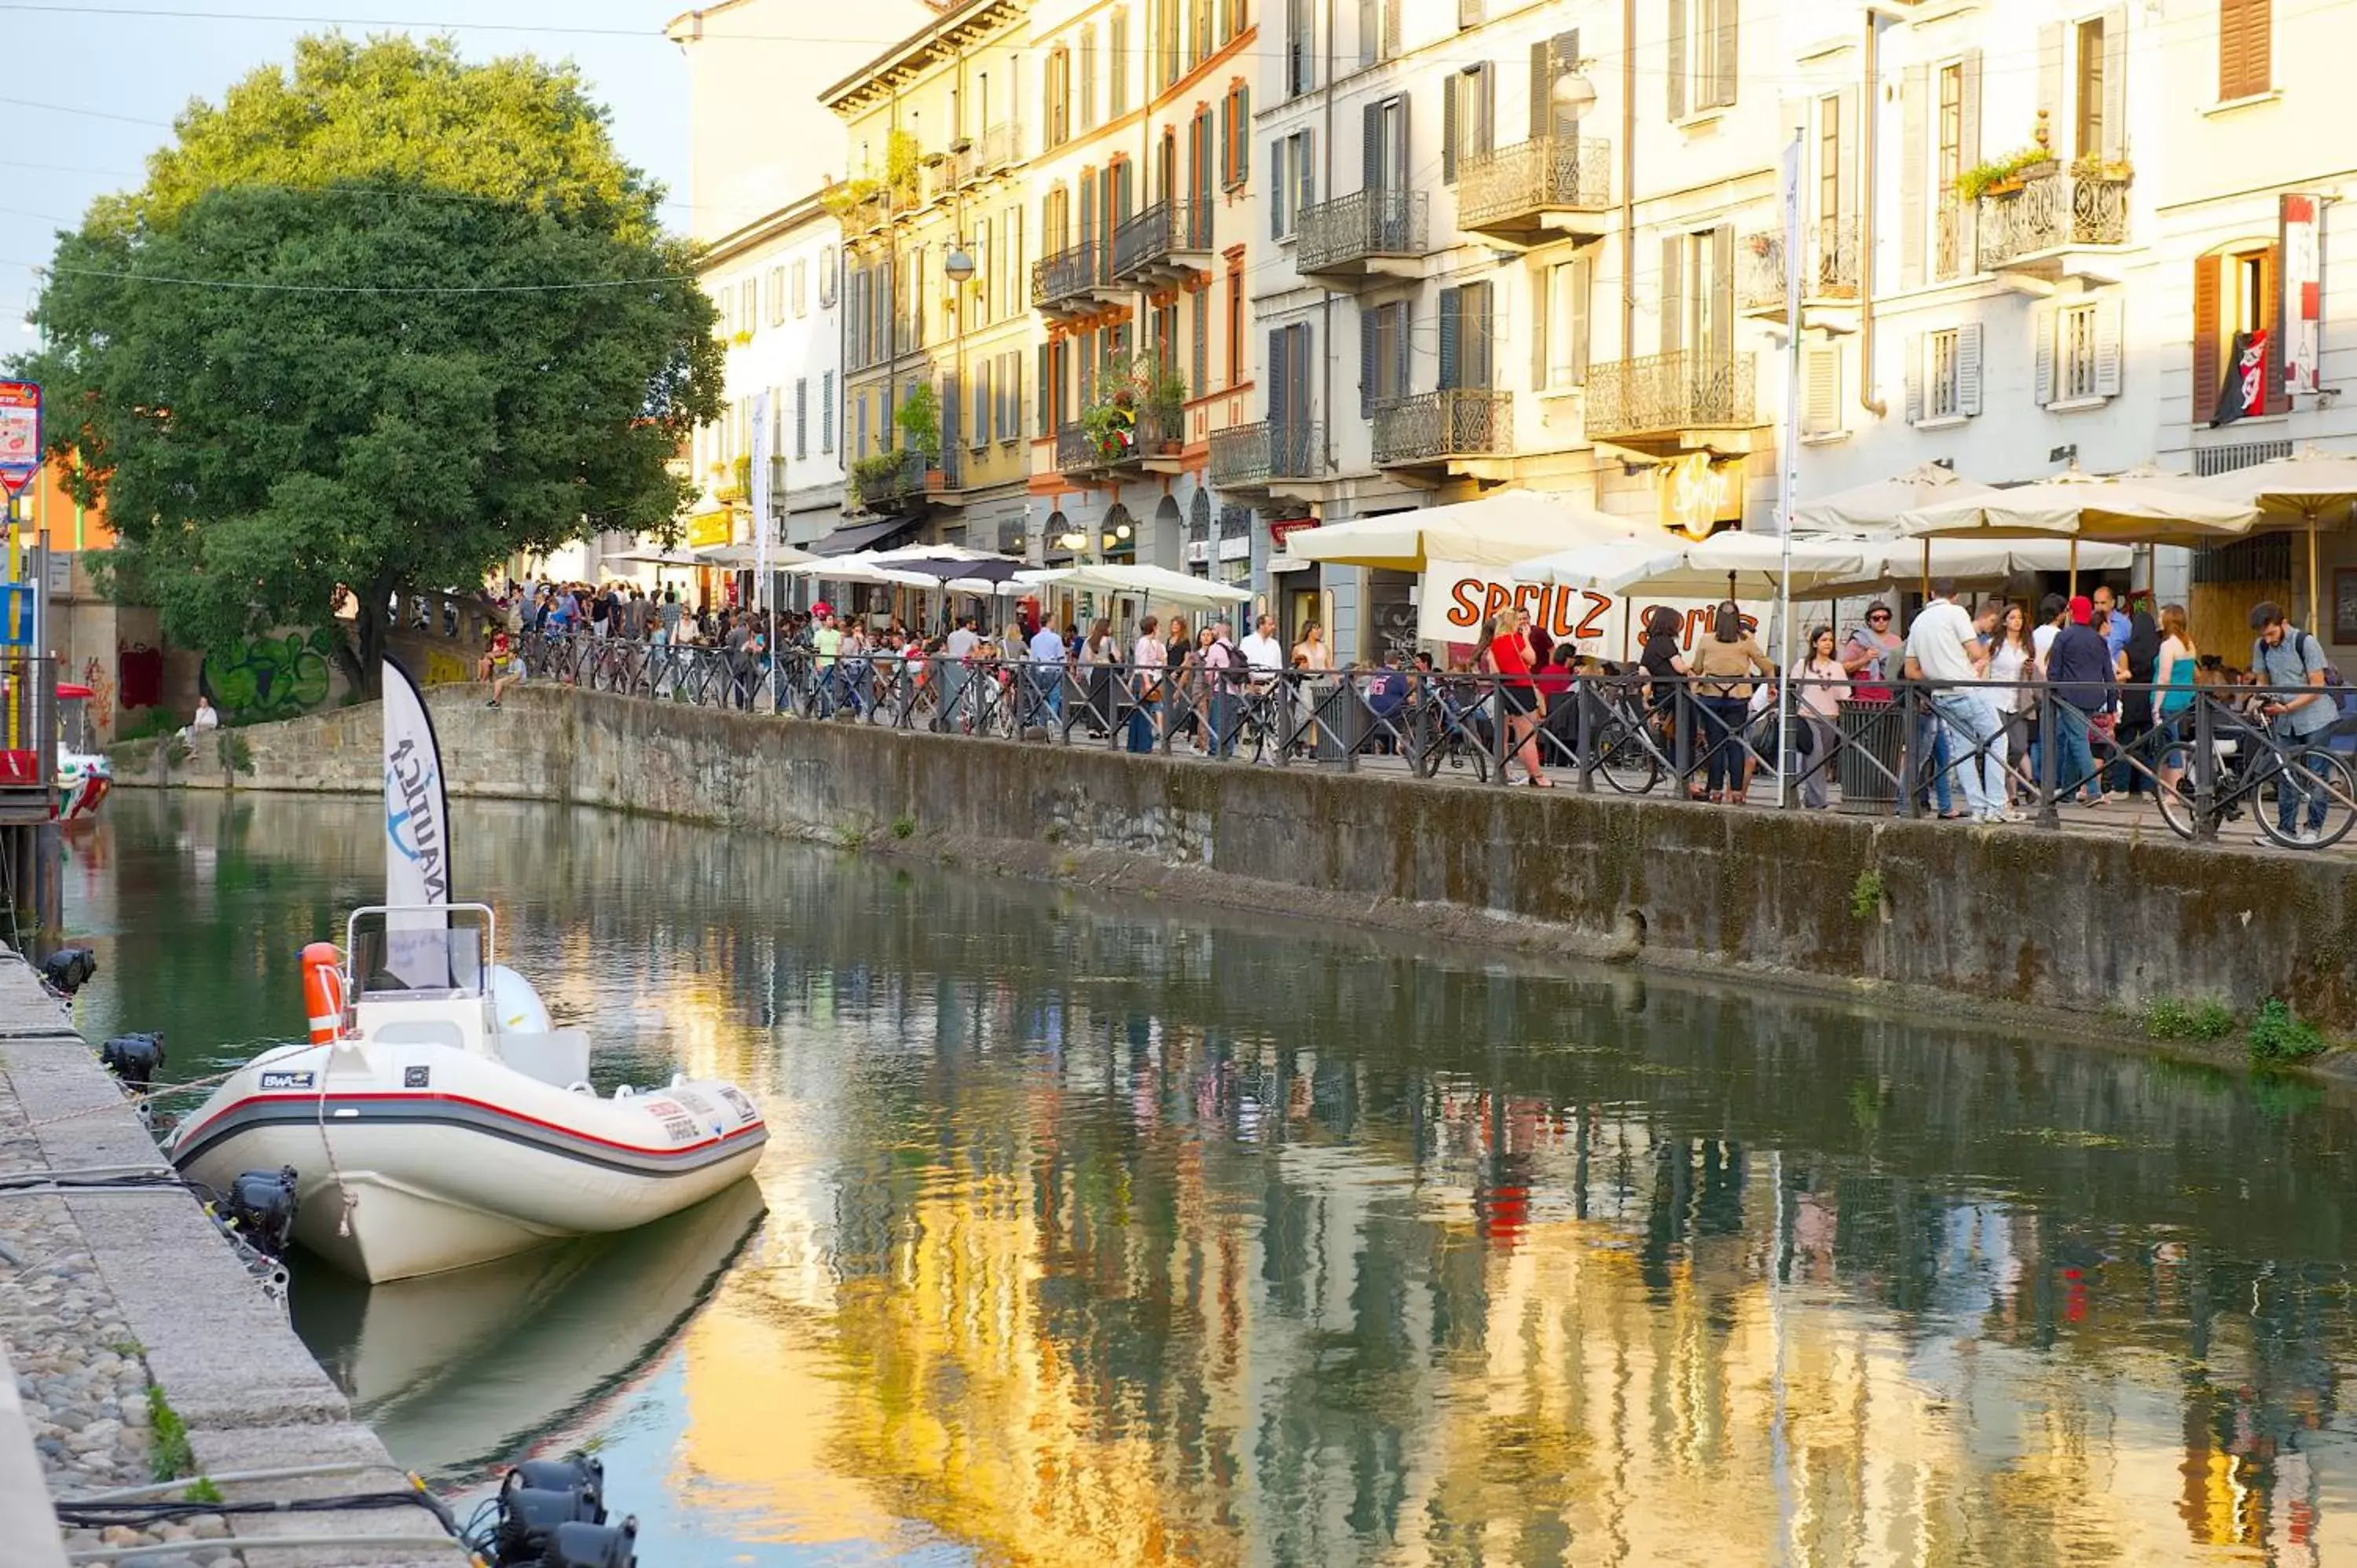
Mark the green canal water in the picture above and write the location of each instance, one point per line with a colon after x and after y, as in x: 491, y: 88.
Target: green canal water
x: 1099, y: 1231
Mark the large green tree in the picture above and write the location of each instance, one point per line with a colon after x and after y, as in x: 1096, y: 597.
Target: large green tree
x: 376, y: 321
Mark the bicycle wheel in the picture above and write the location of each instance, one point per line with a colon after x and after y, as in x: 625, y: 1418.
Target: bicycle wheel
x: 2330, y: 772
x: 2177, y: 808
x: 1627, y: 763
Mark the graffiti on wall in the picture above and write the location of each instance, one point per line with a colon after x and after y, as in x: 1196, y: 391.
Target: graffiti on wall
x: 142, y: 668
x: 102, y: 697
x: 446, y: 668
x: 272, y: 677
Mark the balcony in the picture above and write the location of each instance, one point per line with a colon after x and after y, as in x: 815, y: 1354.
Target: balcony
x: 1166, y: 243
x: 1245, y: 457
x: 886, y: 486
x: 1062, y: 284
x: 1829, y: 269
x: 1431, y: 428
x: 1546, y: 188
x: 1366, y: 234
x: 1152, y: 443
x: 1664, y: 396
x: 1952, y: 238
x: 2033, y: 227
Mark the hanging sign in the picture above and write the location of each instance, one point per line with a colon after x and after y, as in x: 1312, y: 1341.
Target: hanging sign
x: 20, y: 435
x: 2302, y: 248
x: 1457, y: 598
x: 1698, y: 494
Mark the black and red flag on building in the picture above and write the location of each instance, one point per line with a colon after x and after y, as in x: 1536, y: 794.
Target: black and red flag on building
x: 2245, y: 388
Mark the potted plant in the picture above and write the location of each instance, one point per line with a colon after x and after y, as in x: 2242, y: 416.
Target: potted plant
x: 2091, y: 165
x: 2005, y: 175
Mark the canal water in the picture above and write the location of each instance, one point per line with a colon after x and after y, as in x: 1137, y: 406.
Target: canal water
x: 1094, y: 1231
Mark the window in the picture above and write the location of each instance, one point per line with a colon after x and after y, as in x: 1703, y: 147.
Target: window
x: 2089, y: 118
x: 1469, y: 120
x: 748, y: 306
x: 1236, y: 370
x: 1231, y: 18
x: 1088, y: 78
x: 1378, y: 30
x: 2074, y: 353
x: 2077, y: 353
x: 2245, y: 48
x: 1235, y: 136
x: 1297, y: 183
x: 2237, y: 292
x: 775, y: 289
x: 1056, y: 125
x: 1702, y: 66
x: 1200, y: 313
x: 1698, y: 309
x: 1943, y: 374
x: 1300, y: 41
x: 1383, y: 356
x: 1563, y: 292
x: 1467, y: 334
x: 826, y: 278
x: 1117, y: 62
x: 801, y: 288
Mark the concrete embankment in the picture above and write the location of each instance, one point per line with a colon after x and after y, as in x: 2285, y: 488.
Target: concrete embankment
x: 124, y: 1312
x: 2081, y: 922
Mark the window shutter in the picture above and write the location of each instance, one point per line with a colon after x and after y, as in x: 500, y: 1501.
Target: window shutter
x: 1451, y: 336
x: 1485, y: 126
x: 1401, y: 386
x: 802, y: 416
x: 2041, y: 324
x: 1724, y: 87
x: 1370, y: 28
x: 2206, y: 345
x: 1276, y: 197
x: 1847, y: 128
x: 826, y: 412
x: 1673, y: 301
x: 1582, y: 280
x: 1968, y: 115
x: 1542, y: 287
x: 2115, y: 83
x: 1542, y: 88
x: 2050, y: 76
x: 2245, y: 48
x: 1473, y: 331
x: 1968, y: 368
x: 2271, y: 316
x: 1722, y: 304
x: 1047, y: 366
x: 1914, y: 369
x: 1448, y: 90
x: 1677, y: 64
x: 1305, y: 145
x: 1280, y: 413
x: 1821, y: 388
x: 1371, y: 148
x: 1914, y: 169
x: 2108, y: 364
x: 1006, y: 430
x: 1366, y: 362
x: 1244, y: 133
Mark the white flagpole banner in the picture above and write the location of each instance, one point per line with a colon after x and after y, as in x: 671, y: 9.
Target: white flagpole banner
x: 417, y: 838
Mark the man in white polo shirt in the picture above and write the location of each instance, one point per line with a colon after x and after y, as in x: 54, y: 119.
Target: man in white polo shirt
x: 1263, y: 652
x: 1944, y: 645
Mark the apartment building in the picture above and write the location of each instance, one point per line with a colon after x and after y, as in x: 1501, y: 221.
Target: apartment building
x: 937, y: 326
x: 1141, y: 185
x: 777, y: 284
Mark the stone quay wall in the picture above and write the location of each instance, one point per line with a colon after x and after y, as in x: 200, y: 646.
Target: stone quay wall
x: 2077, y: 922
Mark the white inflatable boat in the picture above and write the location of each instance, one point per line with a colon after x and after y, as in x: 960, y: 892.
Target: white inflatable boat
x: 437, y: 1126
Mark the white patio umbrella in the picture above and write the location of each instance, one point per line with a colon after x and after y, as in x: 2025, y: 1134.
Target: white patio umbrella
x: 1875, y: 507
x: 1725, y: 565
x: 1496, y: 530
x: 2313, y: 489
x: 1156, y: 585
x: 2119, y: 509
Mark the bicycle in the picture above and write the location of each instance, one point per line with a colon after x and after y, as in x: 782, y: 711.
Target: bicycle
x: 1451, y: 730
x: 2328, y: 771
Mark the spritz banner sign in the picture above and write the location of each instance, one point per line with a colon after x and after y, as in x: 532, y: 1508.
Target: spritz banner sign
x: 1458, y: 597
x: 20, y: 435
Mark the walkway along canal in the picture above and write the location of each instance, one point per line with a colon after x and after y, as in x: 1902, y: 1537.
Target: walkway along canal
x: 2092, y: 922
x: 1100, y: 1231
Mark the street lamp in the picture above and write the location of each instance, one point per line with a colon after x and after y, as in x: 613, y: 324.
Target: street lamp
x: 959, y: 266
x: 1573, y: 90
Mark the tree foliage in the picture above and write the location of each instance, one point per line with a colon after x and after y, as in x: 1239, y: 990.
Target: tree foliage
x: 378, y: 321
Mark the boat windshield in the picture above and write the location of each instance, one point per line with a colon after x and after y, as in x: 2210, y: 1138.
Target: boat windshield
x: 420, y: 952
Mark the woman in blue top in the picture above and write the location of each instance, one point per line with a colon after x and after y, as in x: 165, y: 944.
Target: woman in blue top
x: 2173, y: 673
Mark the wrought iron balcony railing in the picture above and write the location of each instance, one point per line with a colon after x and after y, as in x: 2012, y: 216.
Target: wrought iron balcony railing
x: 1344, y: 234
x: 1064, y: 277
x: 1952, y: 238
x: 1255, y: 454
x: 2052, y: 212
x: 880, y: 486
x: 1155, y: 432
x: 1692, y: 390
x: 1829, y: 267
x: 1434, y: 426
x: 1148, y: 242
x: 1510, y: 189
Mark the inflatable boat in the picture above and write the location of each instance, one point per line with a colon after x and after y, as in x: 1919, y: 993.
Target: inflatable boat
x: 437, y: 1127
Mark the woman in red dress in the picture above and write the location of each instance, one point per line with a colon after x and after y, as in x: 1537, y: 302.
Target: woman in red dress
x: 1520, y: 701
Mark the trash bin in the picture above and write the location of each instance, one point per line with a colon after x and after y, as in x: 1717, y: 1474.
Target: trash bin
x: 1870, y: 731
x: 1340, y: 721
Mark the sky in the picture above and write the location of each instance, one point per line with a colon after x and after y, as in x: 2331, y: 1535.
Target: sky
x: 96, y: 84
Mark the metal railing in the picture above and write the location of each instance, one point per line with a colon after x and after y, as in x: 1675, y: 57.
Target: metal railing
x: 1066, y: 275
x: 1155, y: 433
x: 1249, y: 454
x: 1952, y: 226
x: 2050, y: 212
x: 904, y: 478
x: 1829, y: 268
x: 1353, y: 228
x: 1558, y: 173
x: 1461, y: 423
x: 1152, y: 237
x: 1691, y: 389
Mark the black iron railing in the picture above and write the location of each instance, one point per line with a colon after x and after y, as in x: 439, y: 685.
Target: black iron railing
x: 1693, y: 389
x: 1065, y: 277
x: 1351, y: 230
x: 1463, y: 423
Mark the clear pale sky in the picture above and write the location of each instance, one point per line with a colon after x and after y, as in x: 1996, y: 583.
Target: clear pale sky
x: 93, y: 90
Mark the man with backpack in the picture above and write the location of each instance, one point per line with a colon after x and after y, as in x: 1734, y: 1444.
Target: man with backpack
x: 2287, y: 657
x: 1230, y: 676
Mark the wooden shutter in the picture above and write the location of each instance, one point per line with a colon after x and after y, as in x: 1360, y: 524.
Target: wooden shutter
x: 1722, y: 301
x: 1371, y: 23
x: 2108, y: 356
x: 1724, y: 87
x: 2245, y: 48
x: 1391, y: 28
x: 2116, y: 84
x: 1968, y: 117
x: 1485, y: 125
x: 1847, y: 128
x: 826, y: 412
x: 1043, y: 414
x: 1821, y: 388
x: 1452, y: 306
x: 802, y: 416
x: 1448, y: 92
x: 2207, y: 343
x: 1677, y: 62
x: 2050, y: 79
x: 1915, y: 170
x: 1914, y: 367
x: 1280, y: 412
x: 1674, y: 302
x: 1476, y: 364
x: 1582, y: 280
x: 1277, y: 194
x: 1542, y: 88
x: 1968, y: 368
x: 2041, y: 326
x: 2271, y: 316
x: 1244, y: 133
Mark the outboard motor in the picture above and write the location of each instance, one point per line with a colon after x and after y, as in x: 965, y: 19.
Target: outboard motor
x: 67, y: 969
x: 133, y: 1058
x: 260, y: 1207
x: 594, y: 1546
x: 542, y: 1499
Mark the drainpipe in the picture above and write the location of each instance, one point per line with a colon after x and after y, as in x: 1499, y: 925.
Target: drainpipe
x: 1325, y: 302
x: 1869, y: 102
x: 1628, y: 179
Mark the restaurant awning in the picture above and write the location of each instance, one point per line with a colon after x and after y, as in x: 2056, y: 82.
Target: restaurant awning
x: 1496, y: 530
x: 852, y: 538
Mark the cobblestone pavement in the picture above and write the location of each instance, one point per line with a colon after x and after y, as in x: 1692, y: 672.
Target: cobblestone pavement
x: 78, y: 1372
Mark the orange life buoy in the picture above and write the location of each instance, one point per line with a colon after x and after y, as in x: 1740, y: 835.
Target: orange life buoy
x: 323, y: 991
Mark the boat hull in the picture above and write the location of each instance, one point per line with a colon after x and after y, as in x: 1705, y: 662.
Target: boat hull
x: 412, y: 1159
